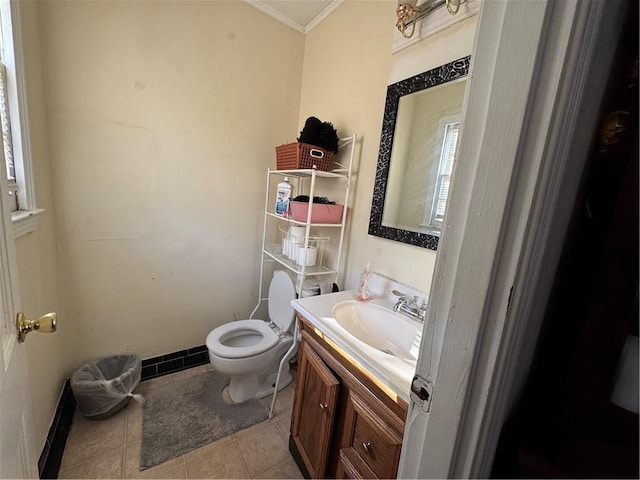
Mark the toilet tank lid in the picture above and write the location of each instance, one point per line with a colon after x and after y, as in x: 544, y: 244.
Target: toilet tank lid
x: 282, y: 292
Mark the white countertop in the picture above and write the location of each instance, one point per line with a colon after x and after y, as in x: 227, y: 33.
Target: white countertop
x: 393, y: 372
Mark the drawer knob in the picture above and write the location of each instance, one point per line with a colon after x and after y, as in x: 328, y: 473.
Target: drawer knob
x: 366, y: 446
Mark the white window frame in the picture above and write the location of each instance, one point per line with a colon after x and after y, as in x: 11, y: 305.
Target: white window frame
x: 436, y: 169
x: 437, y: 219
x: 25, y: 219
x: 7, y: 140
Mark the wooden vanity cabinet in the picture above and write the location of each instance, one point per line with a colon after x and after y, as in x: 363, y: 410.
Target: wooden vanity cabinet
x: 343, y: 424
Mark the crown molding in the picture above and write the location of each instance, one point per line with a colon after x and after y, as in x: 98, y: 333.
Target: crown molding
x: 329, y: 9
x: 272, y: 12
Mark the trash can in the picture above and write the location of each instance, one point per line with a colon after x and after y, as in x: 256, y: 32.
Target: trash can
x: 104, y: 387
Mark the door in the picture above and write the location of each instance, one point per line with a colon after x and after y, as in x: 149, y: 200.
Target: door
x: 17, y: 455
x: 538, y: 74
x: 314, y: 411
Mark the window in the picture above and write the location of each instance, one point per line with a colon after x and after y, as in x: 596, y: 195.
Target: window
x: 6, y: 139
x: 13, y: 115
x: 445, y: 165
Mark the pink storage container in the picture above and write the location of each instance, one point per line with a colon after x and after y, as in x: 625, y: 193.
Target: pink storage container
x: 322, y: 213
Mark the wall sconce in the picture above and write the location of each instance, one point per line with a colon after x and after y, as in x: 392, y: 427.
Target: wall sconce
x: 409, y: 14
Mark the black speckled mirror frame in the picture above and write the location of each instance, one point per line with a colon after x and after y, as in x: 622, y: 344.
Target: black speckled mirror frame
x: 431, y: 78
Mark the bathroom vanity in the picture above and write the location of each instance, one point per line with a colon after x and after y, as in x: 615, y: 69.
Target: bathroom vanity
x: 351, y: 397
x: 343, y: 424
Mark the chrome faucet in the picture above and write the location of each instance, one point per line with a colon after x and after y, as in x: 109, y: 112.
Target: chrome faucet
x: 410, y: 307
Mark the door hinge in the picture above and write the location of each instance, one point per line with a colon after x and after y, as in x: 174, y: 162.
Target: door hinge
x: 421, y: 392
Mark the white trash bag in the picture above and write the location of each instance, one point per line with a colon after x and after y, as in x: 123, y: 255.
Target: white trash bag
x: 104, y: 387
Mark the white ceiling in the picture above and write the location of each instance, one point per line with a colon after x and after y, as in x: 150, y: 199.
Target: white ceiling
x: 301, y: 15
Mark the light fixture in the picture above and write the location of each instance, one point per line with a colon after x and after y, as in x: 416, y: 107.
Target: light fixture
x: 408, y: 14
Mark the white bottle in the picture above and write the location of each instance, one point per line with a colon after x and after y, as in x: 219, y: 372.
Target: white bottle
x: 282, y: 197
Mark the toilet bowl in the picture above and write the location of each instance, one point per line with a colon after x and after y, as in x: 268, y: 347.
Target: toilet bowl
x: 249, y: 351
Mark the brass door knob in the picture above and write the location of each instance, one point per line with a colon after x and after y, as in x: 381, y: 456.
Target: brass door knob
x: 45, y: 324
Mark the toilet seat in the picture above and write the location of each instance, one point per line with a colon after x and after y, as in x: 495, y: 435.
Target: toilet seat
x: 217, y: 338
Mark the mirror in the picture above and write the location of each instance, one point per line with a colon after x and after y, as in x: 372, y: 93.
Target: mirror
x: 417, y: 147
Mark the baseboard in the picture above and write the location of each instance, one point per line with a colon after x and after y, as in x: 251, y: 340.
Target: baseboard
x: 174, y: 362
x: 51, y: 456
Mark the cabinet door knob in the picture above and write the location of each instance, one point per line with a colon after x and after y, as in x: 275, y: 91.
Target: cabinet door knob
x: 323, y: 406
x: 366, y: 446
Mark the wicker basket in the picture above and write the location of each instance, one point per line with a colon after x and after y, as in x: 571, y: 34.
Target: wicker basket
x: 293, y: 156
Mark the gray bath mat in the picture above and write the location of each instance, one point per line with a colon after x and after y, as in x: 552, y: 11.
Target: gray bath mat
x: 186, y: 414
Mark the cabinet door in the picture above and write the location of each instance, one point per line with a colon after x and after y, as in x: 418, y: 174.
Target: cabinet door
x: 314, y: 411
x: 369, y: 436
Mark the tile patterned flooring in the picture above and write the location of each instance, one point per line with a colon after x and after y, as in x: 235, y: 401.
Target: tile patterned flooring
x: 111, y: 448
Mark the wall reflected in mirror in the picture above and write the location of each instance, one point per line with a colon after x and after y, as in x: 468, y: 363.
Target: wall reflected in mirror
x: 417, y: 150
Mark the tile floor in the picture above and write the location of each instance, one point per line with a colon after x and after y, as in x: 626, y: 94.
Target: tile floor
x: 111, y: 448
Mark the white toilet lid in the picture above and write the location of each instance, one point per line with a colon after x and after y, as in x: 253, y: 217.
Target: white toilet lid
x: 281, y: 292
x: 219, y: 335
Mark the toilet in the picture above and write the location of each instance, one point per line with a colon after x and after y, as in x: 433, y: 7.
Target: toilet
x: 249, y: 351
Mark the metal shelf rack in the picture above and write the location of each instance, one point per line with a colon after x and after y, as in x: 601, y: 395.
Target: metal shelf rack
x: 272, y: 252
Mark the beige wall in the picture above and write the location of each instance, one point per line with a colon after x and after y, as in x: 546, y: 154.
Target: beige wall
x: 163, y: 119
x: 51, y: 358
x: 347, y: 67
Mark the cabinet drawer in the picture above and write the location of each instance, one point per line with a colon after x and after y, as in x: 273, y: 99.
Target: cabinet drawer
x: 369, y: 434
x: 351, y: 466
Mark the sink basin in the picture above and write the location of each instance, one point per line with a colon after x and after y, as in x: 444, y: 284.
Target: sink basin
x: 381, y: 328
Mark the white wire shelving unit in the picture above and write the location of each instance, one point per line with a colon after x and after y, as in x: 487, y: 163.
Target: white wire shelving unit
x: 306, y: 182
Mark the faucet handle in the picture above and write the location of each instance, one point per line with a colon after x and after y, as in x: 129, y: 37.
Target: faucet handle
x: 402, y: 296
x: 422, y: 310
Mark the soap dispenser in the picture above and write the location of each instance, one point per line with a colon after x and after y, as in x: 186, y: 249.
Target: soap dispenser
x: 364, y: 290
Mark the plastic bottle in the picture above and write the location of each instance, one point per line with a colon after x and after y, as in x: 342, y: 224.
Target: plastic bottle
x: 364, y: 290
x: 282, y: 199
